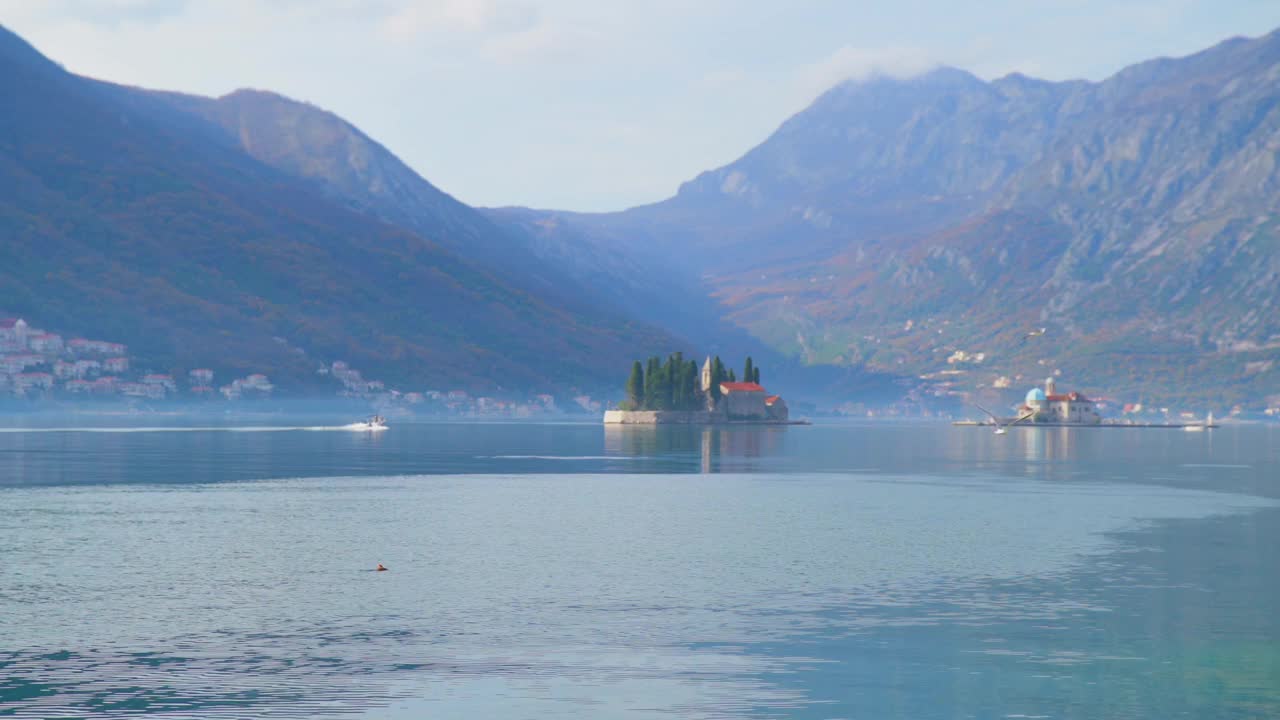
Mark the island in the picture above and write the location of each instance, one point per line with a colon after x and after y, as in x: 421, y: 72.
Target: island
x: 1049, y: 408
x: 677, y: 392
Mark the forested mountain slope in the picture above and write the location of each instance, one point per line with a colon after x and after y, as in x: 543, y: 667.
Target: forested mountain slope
x: 126, y: 217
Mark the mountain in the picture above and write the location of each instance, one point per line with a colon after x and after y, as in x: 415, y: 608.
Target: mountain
x: 202, y: 234
x: 897, y: 224
x: 347, y: 166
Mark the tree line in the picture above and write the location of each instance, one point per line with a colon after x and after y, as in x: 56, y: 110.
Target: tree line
x: 674, y: 384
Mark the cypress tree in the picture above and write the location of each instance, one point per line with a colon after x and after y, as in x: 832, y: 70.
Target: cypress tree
x: 748, y: 372
x: 691, y: 385
x: 664, y: 387
x: 635, y: 386
x: 676, y: 375
x: 756, y: 378
x: 732, y: 377
x: 651, y: 381
x: 717, y: 377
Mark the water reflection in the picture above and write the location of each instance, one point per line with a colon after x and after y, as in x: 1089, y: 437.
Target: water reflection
x: 576, y: 571
x: 715, y: 448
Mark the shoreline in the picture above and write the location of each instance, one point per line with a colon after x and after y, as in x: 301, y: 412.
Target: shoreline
x: 1167, y: 426
x: 685, y: 417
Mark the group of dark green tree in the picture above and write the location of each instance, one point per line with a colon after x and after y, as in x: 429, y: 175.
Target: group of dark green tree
x: 674, y: 384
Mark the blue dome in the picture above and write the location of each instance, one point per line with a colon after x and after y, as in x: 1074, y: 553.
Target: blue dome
x: 1035, y: 396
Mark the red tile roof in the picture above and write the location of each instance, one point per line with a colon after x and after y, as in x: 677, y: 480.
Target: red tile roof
x: 771, y: 399
x: 740, y: 387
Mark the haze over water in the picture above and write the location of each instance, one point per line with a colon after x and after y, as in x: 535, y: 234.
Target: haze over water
x: 562, y: 570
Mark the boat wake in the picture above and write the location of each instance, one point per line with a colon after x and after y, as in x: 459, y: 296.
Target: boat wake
x: 353, y: 427
x: 362, y: 427
x: 559, y: 457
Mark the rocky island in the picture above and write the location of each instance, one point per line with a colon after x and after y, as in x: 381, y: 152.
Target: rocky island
x: 677, y: 392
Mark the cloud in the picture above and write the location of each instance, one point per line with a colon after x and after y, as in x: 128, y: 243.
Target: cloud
x: 543, y: 41
x: 856, y: 63
x: 96, y: 12
x: 419, y: 17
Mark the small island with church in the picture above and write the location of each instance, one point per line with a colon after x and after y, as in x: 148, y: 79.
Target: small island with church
x: 678, y: 392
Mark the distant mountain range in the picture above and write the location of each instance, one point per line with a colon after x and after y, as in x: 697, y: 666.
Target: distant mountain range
x: 256, y: 234
x: 920, y: 230
x: 899, y: 223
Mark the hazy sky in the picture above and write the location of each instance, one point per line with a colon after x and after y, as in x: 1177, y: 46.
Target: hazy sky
x: 594, y: 104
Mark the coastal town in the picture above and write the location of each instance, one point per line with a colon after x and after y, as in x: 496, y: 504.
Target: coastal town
x: 38, y: 364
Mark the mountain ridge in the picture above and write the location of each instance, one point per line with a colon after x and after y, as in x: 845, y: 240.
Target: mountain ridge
x: 132, y: 218
x: 1135, y: 216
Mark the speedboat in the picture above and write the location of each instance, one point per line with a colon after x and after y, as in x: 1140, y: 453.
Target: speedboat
x: 373, y: 422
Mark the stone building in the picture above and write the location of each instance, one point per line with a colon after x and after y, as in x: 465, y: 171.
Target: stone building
x: 743, y: 400
x: 776, y: 408
x: 1049, y: 406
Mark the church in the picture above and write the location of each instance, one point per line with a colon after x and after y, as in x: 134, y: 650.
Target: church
x: 747, y: 401
x: 1048, y: 406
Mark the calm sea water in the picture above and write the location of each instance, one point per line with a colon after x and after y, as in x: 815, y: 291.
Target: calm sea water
x: 833, y: 571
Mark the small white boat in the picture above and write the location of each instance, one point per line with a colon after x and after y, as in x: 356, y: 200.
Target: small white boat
x: 1200, y: 427
x: 374, y: 422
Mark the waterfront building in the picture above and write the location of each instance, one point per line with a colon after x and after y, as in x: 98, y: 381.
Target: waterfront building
x: 744, y: 400
x: 776, y: 408
x: 1050, y: 406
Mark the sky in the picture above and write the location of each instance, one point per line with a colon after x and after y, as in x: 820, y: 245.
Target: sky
x: 595, y: 105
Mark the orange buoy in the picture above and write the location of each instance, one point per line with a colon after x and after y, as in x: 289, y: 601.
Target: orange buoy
x: 380, y: 568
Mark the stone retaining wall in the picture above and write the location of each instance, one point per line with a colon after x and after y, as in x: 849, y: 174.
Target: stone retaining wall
x: 661, y: 417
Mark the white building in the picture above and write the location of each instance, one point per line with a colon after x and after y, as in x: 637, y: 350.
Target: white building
x: 1048, y: 406
x: 13, y: 334
x: 48, y: 343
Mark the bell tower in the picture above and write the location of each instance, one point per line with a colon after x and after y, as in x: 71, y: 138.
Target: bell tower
x: 706, y: 375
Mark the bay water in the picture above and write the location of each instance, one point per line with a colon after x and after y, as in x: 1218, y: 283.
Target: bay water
x: 541, y: 570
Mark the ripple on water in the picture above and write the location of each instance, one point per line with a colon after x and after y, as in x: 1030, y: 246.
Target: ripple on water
x: 579, y: 596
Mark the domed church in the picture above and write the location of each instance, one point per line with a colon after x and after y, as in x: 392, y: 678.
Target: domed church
x: 1047, y: 406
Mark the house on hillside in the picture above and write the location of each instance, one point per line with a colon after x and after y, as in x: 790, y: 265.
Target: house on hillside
x: 47, y: 343
x: 11, y: 364
x: 85, y: 368
x: 32, y: 381
x: 13, y: 334
x: 82, y: 346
